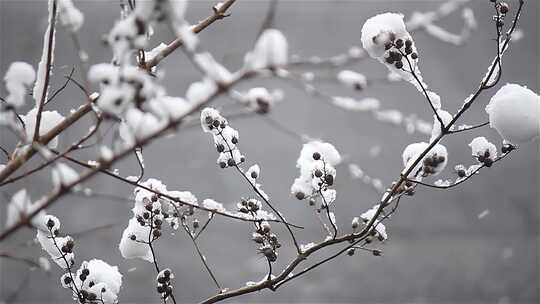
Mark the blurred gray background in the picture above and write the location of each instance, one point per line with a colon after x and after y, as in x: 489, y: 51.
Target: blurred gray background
x: 439, y: 250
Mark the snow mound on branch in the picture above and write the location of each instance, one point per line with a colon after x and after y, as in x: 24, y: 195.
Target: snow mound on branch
x: 70, y: 16
x: 270, y: 50
x: 131, y: 249
x: 514, y: 111
x: 18, y: 76
x: 49, y: 120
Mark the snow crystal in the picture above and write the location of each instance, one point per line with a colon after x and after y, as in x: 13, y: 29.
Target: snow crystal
x: 270, y: 50
x: 18, y: 77
x: 352, y: 79
x: 70, y: 16
x: 49, y: 120
x: 514, y: 111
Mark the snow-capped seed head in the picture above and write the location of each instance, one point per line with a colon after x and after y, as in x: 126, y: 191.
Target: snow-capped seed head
x: 260, y: 99
x: 380, y: 30
x: 514, y: 111
x: 483, y: 150
x: 270, y: 50
x: 355, y: 223
x: 211, y: 119
x: 431, y: 164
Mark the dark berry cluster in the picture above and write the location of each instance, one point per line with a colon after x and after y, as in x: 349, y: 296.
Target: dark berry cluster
x: 485, y: 158
x: 151, y: 217
x: 396, y: 49
x: 506, y: 148
x: 267, y: 240
x: 430, y: 163
x: 164, y: 287
x: 249, y: 206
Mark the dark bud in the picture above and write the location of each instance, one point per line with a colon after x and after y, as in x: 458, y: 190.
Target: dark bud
x: 461, y: 173
x: 157, y: 211
x: 65, y: 249
x: 215, y: 123
x: 208, y: 120
x: 399, y: 43
x: 91, y: 296
x: 231, y: 162
x: 316, y: 156
x: 148, y: 207
x: 160, y: 289
x: 146, y: 215
x: 481, y: 158
x: 86, y: 271
x: 388, y: 46
x: 329, y: 179
x: 389, y: 60
x: 133, y: 237
x: 222, y: 165
x: 311, y: 202
x: 70, y: 244
x: 486, y: 154
x: 162, y: 280
x: 254, y: 174
x: 195, y: 224
x: 377, y: 252
x: 67, y: 280
x: 167, y: 273
x: 83, y: 294
x: 220, y: 148
x: 156, y: 233
x: 223, y: 125
x: 318, y: 173
x: 414, y: 56
x: 300, y: 195
x: 441, y: 159
x: 500, y: 23
x: 488, y: 162
x: 398, y: 65
x: 158, y: 222
x: 169, y: 290
x: 82, y: 277
x: 50, y: 223
x: 350, y: 252
x: 244, y: 210
x: 504, y: 8
x: 392, y: 37
x: 91, y: 284
x: 234, y: 140
x: 408, y: 43
x: 410, y: 192
x: 408, y: 183
x: 408, y: 50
